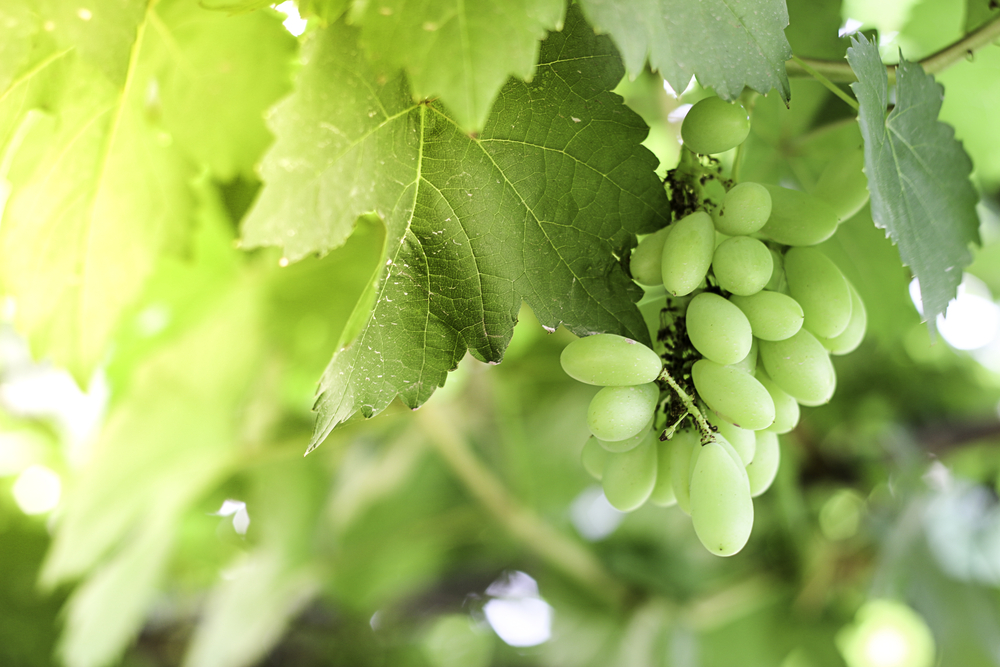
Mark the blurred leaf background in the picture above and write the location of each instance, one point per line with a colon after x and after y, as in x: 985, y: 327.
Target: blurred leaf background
x: 429, y: 538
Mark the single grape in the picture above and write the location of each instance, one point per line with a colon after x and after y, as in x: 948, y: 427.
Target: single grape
x: 663, y: 491
x: 685, y: 443
x: 821, y: 289
x: 797, y: 218
x: 744, y: 442
x: 619, y: 446
x: 629, y: 477
x: 736, y: 396
x: 687, y: 253
x: 776, y: 283
x: 801, y: 366
x: 772, y: 315
x: 849, y: 339
x: 721, y: 507
x: 742, y: 265
x: 764, y: 467
x: 647, y: 259
x: 594, y: 457
x: 718, y: 329
x: 786, y: 408
x: 843, y: 184
x: 745, y: 209
x: 713, y: 125
x: 618, y: 413
x: 610, y: 360
x: 748, y: 364
x: 730, y: 450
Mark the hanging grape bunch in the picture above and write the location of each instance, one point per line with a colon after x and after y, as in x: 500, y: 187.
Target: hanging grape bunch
x: 752, y: 314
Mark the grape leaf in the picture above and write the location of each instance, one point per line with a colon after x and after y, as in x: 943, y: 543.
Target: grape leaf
x: 727, y: 44
x: 539, y: 206
x: 460, y: 51
x: 918, y: 174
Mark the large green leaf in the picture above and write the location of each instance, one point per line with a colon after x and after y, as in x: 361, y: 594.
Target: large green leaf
x: 539, y: 206
x: 727, y: 44
x: 918, y: 175
x: 461, y: 51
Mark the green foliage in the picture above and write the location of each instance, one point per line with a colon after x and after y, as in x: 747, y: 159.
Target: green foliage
x: 917, y: 175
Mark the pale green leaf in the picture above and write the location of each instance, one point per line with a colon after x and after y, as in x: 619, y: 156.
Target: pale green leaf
x: 918, y: 175
x: 726, y: 44
x: 538, y: 206
x: 462, y: 52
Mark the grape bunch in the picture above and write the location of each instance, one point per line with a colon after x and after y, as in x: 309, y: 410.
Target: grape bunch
x: 752, y: 314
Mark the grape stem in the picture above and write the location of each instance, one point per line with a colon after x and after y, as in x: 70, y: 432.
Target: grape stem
x: 832, y: 87
x: 840, y: 72
x: 688, y: 402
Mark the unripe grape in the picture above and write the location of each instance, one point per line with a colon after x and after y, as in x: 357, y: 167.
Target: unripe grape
x: 797, y: 218
x: 629, y: 477
x: 685, y: 443
x: 742, y: 265
x: 737, y: 397
x: 849, y: 339
x: 772, y: 315
x: 619, y: 446
x: 776, y: 283
x: 721, y: 507
x: 745, y: 209
x: 618, y: 413
x: 593, y: 457
x: 713, y: 125
x: 646, y: 264
x: 718, y: 329
x: 744, y: 442
x: 801, y: 366
x: 726, y: 445
x: 786, y: 408
x: 609, y: 360
x: 748, y: 364
x: 843, y: 184
x: 687, y: 253
x: 764, y: 468
x: 663, y: 491
x: 821, y: 289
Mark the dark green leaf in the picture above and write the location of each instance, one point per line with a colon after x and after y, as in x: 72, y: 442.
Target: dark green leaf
x: 462, y: 52
x: 539, y: 206
x: 918, y: 175
x: 727, y: 44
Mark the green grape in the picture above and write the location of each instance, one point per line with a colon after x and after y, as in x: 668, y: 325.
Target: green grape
x: 797, y: 218
x: 743, y: 442
x: 821, y: 289
x: 594, y: 457
x: 764, y: 468
x: 744, y: 210
x: 849, y: 339
x: 609, y: 360
x: 801, y: 366
x: 736, y: 396
x: 619, y: 446
x: 786, y: 408
x: 742, y: 265
x: 629, y: 477
x: 685, y: 443
x: 748, y: 364
x: 843, y: 184
x: 730, y: 450
x: 714, y: 126
x: 647, y: 259
x: 721, y: 507
x: 618, y: 413
x: 687, y: 253
x: 772, y: 315
x: 663, y: 492
x: 776, y: 283
x: 718, y: 329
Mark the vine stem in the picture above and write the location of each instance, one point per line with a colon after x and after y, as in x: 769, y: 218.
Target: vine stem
x: 832, y: 87
x: 688, y: 402
x: 553, y: 546
x: 840, y: 72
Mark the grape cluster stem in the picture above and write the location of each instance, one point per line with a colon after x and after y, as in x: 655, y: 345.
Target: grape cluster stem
x: 688, y: 402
